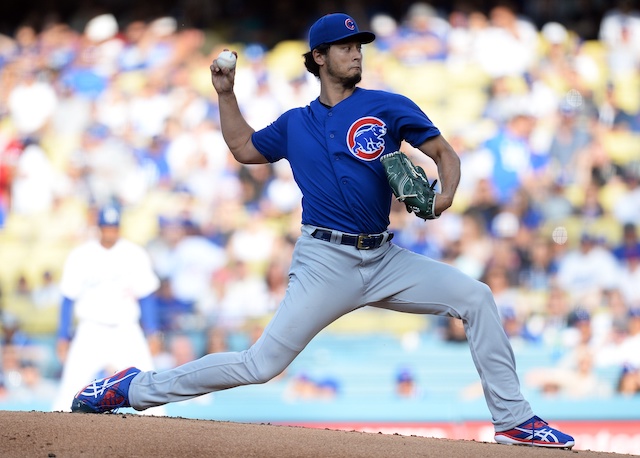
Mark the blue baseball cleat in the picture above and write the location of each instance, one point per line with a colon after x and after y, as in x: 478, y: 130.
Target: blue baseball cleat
x: 535, y: 432
x: 105, y: 395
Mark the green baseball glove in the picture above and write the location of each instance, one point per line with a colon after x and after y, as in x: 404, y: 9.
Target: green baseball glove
x: 410, y: 185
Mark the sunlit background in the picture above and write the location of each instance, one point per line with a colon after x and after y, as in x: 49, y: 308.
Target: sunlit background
x: 111, y: 101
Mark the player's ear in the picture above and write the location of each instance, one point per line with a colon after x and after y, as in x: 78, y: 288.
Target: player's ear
x: 319, y: 57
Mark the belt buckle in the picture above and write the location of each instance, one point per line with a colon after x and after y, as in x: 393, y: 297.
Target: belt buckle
x: 360, y: 242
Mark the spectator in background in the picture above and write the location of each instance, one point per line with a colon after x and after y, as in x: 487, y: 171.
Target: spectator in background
x: 574, y: 378
x: 557, y: 206
x: 467, y: 25
x: 417, y: 237
x: 620, y: 33
x: 183, y: 256
x: 629, y: 381
x: 539, y: 269
x: 82, y: 76
x: 484, y: 202
x: 476, y: 245
x: 32, y: 102
x: 386, y: 29
x: 590, y: 209
x: 512, y: 153
x: 406, y: 386
x: 245, y: 296
x: 630, y: 277
x: 554, y: 64
x: 626, y: 209
x: 282, y: 194
x: 452, y: 330
x: 150, y: 107
x: 611, y: 114
x: 277, y: 279
x: 303, y: 387
x: 47, y: 293
x: 133, y: 56
x: 629, y: 356
x: 585, y: 271
x: 104, y: 43
x: 629, y: 243
x: 571, y: 136
x: 548, y: 324
x: 255, y: 243
x: 36, y: 183
x: 509, y: 46
x: 422, y: 36
x: 173, y: 315
x: 152, y: 160
x: 161, y: 44
x: 105, y: 166
x: 507, y: 295
x: 579, y: 330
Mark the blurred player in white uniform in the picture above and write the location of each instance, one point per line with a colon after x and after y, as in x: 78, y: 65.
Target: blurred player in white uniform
x: 107, y: 287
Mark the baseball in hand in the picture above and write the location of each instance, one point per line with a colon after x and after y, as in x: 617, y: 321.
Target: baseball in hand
x: 226, y: 59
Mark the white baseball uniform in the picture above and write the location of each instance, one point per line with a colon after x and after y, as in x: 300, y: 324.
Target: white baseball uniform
x: 105, y: 285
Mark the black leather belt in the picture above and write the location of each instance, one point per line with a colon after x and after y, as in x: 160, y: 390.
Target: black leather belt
x: 360, y: 241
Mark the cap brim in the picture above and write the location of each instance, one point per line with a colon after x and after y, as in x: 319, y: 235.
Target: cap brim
x: 362, y: 37
x: 365, y: 37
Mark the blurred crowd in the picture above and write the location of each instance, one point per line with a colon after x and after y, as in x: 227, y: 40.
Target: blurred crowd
x: 547, y: 125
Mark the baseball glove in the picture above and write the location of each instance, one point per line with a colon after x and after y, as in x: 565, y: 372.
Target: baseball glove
x: 410, y: 185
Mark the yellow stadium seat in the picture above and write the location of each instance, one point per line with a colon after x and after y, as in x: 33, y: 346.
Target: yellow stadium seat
x: 622, y: 146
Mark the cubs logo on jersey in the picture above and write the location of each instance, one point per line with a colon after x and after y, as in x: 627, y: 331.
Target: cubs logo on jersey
x: 365, y: 138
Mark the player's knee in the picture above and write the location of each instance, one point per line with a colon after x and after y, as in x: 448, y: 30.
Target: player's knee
x: 484, y: 293
x: 263, y: 368
x: 485, y: 301
x: 264, y: 373
x: 479, y: 300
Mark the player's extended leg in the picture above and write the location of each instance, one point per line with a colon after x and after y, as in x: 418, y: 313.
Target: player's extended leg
x: 412, y: 283
x: 323, y: 286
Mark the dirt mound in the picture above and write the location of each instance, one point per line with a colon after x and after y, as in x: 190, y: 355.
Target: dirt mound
x: 57, y: 434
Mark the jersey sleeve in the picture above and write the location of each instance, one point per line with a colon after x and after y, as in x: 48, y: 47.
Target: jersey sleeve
x: 412, y: 122
x: 271, y: 141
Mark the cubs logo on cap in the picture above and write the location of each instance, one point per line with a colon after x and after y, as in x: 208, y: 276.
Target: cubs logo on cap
x: 335, y: 27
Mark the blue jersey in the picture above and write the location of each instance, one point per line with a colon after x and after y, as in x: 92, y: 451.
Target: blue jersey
x: 335, y: 155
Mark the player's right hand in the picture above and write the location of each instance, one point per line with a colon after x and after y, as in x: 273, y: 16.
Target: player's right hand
x: 222, y: 78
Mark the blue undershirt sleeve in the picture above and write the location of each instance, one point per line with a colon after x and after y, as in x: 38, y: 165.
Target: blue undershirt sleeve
x: 149, y: 314
x: 66, y: 316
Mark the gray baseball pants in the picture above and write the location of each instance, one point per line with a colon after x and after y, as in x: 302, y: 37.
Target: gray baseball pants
x: 327, y: 281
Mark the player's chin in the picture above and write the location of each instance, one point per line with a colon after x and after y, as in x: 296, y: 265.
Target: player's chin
x: 352, y: 80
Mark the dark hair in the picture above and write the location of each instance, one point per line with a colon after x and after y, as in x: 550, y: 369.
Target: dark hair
x: 310, y: 64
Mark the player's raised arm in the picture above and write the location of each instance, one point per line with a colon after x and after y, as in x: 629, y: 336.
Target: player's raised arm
x: 235, y: 129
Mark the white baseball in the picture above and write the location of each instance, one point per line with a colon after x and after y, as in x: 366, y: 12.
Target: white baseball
x: 226, y: 59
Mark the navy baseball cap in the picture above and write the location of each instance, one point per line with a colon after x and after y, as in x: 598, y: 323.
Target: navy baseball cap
x: 335, y: 27
x: 109, y: 216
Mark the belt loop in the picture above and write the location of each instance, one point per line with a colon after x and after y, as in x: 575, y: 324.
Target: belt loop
x: 336, y: 237
x: 385, y: 237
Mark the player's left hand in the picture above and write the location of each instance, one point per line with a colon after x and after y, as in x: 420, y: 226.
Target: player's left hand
x: 411, y: 186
